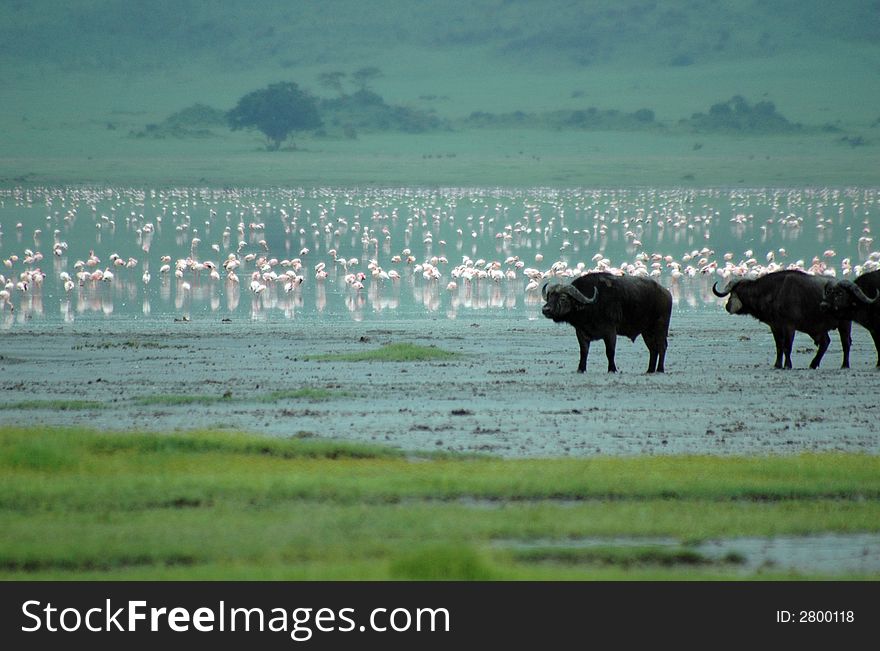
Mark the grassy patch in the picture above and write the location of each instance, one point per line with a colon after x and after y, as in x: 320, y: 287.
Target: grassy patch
x: 172, y: 400
x: 53, y: 405
x: 227, y: 446
x: 401, y: 352
x: 442, y: 563
x: 80, y: 504
x: 310, y: 394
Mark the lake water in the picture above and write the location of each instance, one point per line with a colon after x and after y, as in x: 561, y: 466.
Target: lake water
x: 331, y: 254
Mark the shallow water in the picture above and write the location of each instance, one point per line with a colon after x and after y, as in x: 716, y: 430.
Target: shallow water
x: 830, y: 553
x: 488, y: 242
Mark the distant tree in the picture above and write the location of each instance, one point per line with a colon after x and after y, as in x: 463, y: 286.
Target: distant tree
x: 765, y: 108
x: 720, y: 110
x: 364, y: 76
x: 276, y: 111
x: 739, y: 104
x: 332, y: 80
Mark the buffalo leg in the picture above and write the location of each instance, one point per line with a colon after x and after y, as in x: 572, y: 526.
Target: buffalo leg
x: 875, y: 334
x: 661, y: 352
x: 779, y: 340
x: 610, y: 346
x: 653, y: 352
x: 787, y: 344
x: 822, y: 341
x: 845, y: 331
x: 584, y: 343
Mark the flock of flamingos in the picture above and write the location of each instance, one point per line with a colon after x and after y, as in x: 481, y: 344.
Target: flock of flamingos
x: 99, y: 249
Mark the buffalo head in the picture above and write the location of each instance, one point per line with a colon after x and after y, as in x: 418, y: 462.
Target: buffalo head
x: 734, y: 304
x: 562, y: 300
x: 843, y: 297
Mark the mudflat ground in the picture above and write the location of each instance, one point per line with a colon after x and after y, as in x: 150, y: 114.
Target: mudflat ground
x: 512, y: 389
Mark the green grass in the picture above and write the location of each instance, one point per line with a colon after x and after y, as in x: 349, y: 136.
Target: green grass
x: 310, y: 394
x: 400, y: 352
x: 173, y: 400
x: 82, y: 504
x: 53, y: 405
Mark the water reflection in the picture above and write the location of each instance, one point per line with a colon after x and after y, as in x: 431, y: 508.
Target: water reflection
x: 376, y: 253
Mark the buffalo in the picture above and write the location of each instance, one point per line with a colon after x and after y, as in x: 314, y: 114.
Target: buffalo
x: 788, y: 301
x: 851, y: 300
x: 603, y: 306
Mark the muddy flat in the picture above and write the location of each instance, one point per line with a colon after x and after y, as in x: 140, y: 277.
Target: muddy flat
x: 511, y: 390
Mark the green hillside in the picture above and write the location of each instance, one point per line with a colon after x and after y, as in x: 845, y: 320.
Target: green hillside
x: 486, y: 87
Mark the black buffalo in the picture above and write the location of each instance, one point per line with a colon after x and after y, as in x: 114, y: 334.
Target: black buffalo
x: 603, y: 306
x: 789, y: 301
x: 857, y: 301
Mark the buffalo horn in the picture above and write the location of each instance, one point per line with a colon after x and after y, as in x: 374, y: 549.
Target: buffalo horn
x: 580, y: 298
x: 717, y: 293
x: 859, y: 294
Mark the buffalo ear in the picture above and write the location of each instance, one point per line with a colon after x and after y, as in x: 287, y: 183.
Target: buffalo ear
x: 606, y: 282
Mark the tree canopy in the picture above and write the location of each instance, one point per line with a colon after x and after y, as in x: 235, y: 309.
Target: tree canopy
x: 276, y: 111
x: 364, y: 76
x: 332, y: 80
